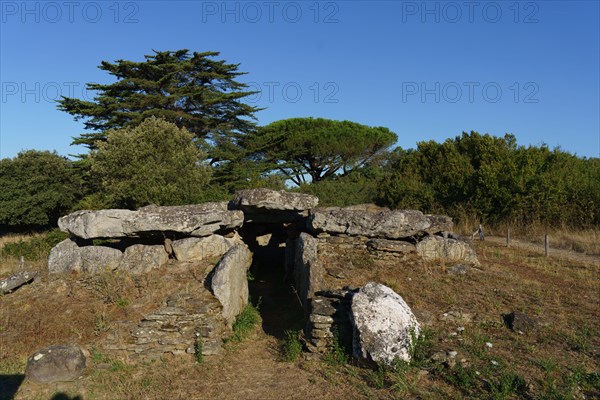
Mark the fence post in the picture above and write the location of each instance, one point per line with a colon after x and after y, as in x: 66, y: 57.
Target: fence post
x: 481, y: 235
x: 546, y: 244
x: 21, y: 262
x: 508, y: 236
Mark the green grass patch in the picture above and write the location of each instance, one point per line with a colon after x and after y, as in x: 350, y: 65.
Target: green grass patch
x: 245, y: 323
x: 291, y: 348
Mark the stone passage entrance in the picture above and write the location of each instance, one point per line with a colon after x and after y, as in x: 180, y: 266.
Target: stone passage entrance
x: 271, y: 286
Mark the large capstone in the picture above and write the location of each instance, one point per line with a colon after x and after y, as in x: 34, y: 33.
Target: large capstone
x: 266, y: 205
x: 384, y: 325
x: 191, y: 220
x: 376, y: 223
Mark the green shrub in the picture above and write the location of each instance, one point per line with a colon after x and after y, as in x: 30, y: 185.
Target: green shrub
x: 36, y: 248
x: 152, y: 163
x: 37, y: 187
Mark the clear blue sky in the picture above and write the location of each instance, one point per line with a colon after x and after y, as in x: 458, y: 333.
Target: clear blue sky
x: 426, y: 70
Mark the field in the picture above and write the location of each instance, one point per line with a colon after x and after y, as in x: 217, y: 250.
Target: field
x: 558, y: 358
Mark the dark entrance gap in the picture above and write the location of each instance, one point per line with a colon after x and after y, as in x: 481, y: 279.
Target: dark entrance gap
x: 269, y: 287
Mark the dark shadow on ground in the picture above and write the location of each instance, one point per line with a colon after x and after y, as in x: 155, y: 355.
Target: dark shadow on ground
x: 9, y: 385
x: 64, y: 396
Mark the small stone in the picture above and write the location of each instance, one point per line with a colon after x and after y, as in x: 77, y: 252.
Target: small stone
x: 460, y: 328
x: 494, y: 362
x: 320, y: 319
x: 519, y: 322
x: 452, y: 354
x: 488, y: 344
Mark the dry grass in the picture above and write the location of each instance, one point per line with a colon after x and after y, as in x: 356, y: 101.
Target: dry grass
x: 584, y: 241
x: 558, y: 359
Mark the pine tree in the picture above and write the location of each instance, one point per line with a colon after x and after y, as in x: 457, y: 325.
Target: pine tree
x: 194, y: 91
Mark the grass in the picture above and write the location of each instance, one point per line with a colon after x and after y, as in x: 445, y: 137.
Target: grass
x: 338, y: 355
x: 291, y: 349
x: 245, y: 323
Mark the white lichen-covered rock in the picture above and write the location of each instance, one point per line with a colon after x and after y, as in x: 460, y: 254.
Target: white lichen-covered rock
x: 193, y: 220
x: 64, y: 257
x: 376, y: 223
x: 434, y: 248
x: 230, y: 283
x: 190, y: 249
x: 384, y: 325
x: 140, y: 259
x: 62, y: 363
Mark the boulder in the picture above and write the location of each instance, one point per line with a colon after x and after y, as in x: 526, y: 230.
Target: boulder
x: 229, y: 282
x: 95, y: 259
x: 62, y: 363
x: 64, y: 257
x: 140, y: 259
x: 189, y: 249
x: 384, y: 325
x: 193, y: 220
x: 266, y: 205
x: 383, y: 223
x: 434, y: 248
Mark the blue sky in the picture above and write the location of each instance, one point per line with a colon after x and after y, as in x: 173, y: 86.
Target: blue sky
x: 426, y: 70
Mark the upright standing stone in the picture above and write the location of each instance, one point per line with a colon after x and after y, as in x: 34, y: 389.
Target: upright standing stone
x: 384, y: 325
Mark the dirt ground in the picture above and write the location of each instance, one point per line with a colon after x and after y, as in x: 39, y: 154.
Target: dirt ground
x: 558, y: 359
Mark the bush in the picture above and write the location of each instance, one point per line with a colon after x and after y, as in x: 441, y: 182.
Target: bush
x: 153, y: 163
x: 36, y: 248
x: 37, y: 188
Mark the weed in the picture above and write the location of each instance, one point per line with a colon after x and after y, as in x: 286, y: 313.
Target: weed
x: 198, y: 349
x: 581, y: 338
x: 291, y: 347
x: 506, y: 385
x: 338, y: 355
x: 463, y: 378
x: 122, y: 302
x: 245, y: 323
x: 377, y: 378
x: 114, y: 365
x: 100, y: 323
x: 546, y: 364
